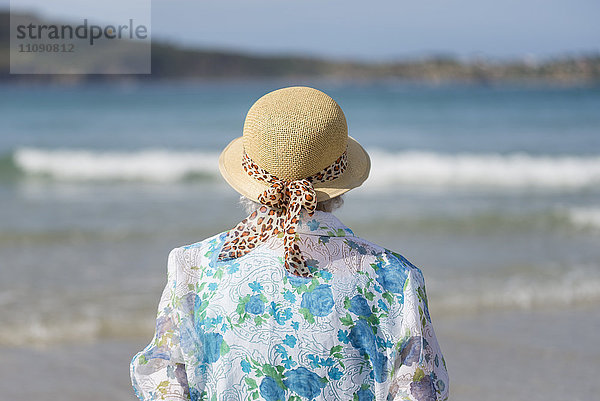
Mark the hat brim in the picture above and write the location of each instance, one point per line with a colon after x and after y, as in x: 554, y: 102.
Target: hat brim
x: 356, y: 172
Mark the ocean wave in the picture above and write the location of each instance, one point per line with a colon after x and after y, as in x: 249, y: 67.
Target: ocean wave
x: 584, y: 217
x: 38, y: 332
x: 518, y: 170
x: 143, y: 165
x: 415, y: 168
x: 569, y: 287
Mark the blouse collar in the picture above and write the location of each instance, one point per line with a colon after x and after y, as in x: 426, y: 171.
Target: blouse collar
x: 322, y: 224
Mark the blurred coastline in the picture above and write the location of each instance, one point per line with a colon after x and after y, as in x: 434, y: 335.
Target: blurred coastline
x: 174, y: 62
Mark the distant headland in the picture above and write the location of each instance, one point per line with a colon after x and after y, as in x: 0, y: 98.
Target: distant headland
x: 174, y: 62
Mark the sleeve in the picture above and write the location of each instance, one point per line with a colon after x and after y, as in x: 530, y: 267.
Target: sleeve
x: 419, y: 367
x: 158, y: 371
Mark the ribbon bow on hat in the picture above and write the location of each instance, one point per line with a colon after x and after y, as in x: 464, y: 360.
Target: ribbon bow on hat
x: 285, y: 200
x: 288, y: 134
x: 286, y: 194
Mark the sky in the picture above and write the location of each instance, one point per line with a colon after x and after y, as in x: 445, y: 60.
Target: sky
x: 364, y: 30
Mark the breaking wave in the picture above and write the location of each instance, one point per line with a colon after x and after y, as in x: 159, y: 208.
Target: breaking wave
x: 574, y: 286
x: 585, y: 217
x: 518, y: 170
x: 426, y: 169
x: 143, y: 165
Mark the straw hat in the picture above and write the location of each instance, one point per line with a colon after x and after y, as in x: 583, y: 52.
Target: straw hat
x: 293, y: 133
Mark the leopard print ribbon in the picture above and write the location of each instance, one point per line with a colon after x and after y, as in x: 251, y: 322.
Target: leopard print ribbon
x: 279, y: 215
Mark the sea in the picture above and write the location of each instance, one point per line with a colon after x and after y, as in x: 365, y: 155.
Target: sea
x: 493, y: 190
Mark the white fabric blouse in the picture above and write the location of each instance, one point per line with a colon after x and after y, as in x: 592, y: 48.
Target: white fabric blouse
x: 246, y: 329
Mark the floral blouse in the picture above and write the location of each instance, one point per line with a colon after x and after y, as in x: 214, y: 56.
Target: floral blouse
x: 246, y: 329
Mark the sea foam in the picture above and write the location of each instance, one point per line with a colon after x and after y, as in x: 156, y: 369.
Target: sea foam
x: 585, y: 217
x: 518, y: 170
x: 389, y: 169
x: 143, y: 165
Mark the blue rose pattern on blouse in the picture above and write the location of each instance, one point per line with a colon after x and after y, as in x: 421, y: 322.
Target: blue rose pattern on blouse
x: 365, y: 395
x: 363, y: 339
x: 282, y: 337
x: 319, y: 301
x: 360, y: 306
x: 393, y: 275
x: 270, y: 390
x: 255, y: 305
x: 211, y: 344
x: 303, y: 382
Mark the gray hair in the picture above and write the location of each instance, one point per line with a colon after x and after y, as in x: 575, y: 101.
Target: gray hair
x: 325, y: 206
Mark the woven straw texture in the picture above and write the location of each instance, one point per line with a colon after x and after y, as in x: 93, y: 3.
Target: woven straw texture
x: 294, y: 133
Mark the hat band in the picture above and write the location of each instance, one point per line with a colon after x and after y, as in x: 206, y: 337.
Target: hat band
x: 286, y: 199
x: 329, y: 173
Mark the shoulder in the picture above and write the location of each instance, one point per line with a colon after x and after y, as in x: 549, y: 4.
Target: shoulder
x: 196, y: 253
x: 391, y: 264
x: 391, y: 269
x: 403, y: 263
x: 209, y: 242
